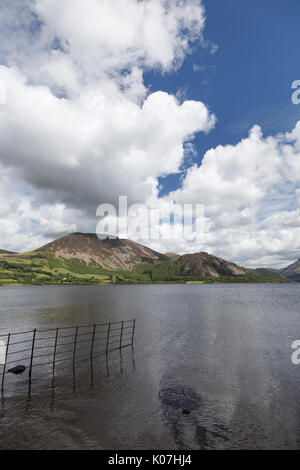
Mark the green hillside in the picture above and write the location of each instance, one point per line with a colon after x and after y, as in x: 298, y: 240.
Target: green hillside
x: 45, y: 268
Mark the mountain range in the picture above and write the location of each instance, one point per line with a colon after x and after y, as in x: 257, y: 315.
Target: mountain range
x: 82, y: 258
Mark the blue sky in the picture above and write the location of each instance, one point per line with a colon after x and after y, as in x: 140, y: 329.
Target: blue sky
x: 248, y: 80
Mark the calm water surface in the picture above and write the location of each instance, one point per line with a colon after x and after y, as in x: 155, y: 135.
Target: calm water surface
x: 222, y: 351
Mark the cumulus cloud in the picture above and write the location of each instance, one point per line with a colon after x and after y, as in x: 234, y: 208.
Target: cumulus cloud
x: 120, y: 33
x: 79, y: 126
x: 251, y: 197
x: 69, y: 44
x: 98, y: 146
x: 25, y: 223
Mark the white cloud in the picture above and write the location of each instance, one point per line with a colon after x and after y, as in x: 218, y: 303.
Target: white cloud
x: 68, y: 44
x: 93, y: 148
x: 251, y: 197
x: 114, y: 35
x: 26, y: 224
x: 79, y: 126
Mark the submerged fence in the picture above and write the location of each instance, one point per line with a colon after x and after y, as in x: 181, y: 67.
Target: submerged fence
x: 49, y: 347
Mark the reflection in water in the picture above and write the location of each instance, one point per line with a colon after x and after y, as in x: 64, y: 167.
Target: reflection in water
x: 182, y: 412
x: 77, y: 378
x: 53, y: 406
x: 76, y: 365
x: 173, y: 401
x: 222, y: 352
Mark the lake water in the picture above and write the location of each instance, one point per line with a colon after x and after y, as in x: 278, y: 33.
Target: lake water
x: 221, y: 351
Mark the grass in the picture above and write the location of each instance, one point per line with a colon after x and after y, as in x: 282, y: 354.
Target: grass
x: 43, y: 269
x: 195, y: 282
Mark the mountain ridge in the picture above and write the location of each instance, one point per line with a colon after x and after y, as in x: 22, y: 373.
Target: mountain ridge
x: 292, y: 271
x: 82, y: 258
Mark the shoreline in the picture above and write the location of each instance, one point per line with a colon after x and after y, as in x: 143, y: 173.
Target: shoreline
x: 150, y: 284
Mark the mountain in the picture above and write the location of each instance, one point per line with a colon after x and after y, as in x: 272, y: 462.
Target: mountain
x: 205, y: 265
x: 172, y: 255
x: 5, y: 252
x: 292, y: 271
x: 109, y: 253
x: 120, y: 254
x: 82, y: 258
x: 272, y: 274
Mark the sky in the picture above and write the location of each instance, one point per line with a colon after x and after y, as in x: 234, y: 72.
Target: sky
x: 161, y: 100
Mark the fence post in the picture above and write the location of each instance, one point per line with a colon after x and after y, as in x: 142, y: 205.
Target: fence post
x: 133, y: 328
x: 32, y: 352
x: 93, y: 339
x: 55, y: 347
x: 107, y: 338
x: 75, y: 343
x: 121, y: 335
x: 4, y: 366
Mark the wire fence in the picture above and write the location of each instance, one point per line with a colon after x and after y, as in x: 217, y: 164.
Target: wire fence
x: 46, y: 348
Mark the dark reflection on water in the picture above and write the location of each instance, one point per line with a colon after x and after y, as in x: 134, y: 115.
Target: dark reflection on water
x: 173, y: 402
x: 182, y: 412
x: 222, y: 353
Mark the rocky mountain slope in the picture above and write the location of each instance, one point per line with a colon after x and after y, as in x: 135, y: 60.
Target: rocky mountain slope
x: 207, y: 265
x: 110, y: 254
x: 292, y: 271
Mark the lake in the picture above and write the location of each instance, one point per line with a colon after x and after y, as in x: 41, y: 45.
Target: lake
x: 223, y: 352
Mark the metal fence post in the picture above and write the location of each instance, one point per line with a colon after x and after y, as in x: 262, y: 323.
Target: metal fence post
x: 133, y: 328
x: 75, y: 343
x: 93, y: 339
x: 5, y: 361
x: 107, y: 338
x: 55, y: 347
x: 33, y: 362
x: 32, y: 352
x: 121, y: 335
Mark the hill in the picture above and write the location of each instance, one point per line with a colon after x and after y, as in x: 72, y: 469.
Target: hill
x: 81, y: 258
x: 111, y: 254
x: 292, y: 271
x: 203, y: 267
x: 5, y: 252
